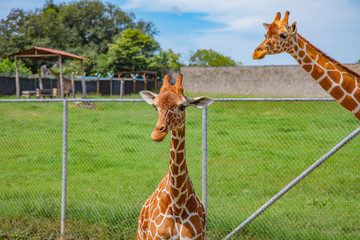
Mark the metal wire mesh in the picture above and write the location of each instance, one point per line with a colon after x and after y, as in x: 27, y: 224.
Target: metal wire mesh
x: 30, y: 160
x: 259, y: 148
x: 254, y: 149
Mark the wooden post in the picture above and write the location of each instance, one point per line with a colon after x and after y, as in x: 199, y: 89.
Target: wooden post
x: 134, y: 85
x: 83, y: 79
x: 156, y: 83
x: 41, y: 86
x: 61, y: 78
x: 145, y: 81
x: 98, y: 87
x: 110, y: 86
x: 39, y: 77
x: 121, y: 86
x: 72, y: 85
x: 17, y: 80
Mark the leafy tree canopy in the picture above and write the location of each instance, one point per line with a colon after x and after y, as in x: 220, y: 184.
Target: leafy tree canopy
x: 211, y: 58
x: 133, y: 51
x: 8, y: 66
x: 167, y: 59
x: 110, y: 37
x: 84, y: 27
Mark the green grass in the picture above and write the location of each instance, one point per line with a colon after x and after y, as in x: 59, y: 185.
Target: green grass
x: 254, y: 150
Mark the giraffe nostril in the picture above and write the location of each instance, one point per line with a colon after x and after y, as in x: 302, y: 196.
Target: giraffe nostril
x: 162, y: 129
x: 259, y: 49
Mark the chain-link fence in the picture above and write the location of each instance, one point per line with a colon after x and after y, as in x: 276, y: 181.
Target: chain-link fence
x: 255, y: 148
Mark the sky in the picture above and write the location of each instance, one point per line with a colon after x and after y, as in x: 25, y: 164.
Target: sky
x: 234, y: 27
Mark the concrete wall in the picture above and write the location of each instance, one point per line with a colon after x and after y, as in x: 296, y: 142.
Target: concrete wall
x: 255, y: 81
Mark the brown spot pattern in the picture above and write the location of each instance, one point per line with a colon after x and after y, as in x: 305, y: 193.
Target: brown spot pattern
x: 334, y: 76
x: 317, y: 72
x: 349, y: 103
x: 337, y: 92
x: 348, y: 83
x: 307, y: 67
x: 325, y: 83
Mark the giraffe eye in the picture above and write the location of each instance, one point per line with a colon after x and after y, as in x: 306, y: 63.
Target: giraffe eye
x: 283, y: 35
x: 182, y: 107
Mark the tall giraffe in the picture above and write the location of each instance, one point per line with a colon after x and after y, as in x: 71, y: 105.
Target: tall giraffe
x: 173, y: 211
x: 338, y: 80
x: 66, y: 82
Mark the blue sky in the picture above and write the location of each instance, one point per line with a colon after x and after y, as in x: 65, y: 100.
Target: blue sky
x: 234, y: 27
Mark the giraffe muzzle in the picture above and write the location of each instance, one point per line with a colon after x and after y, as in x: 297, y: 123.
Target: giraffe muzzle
x: 159, y: 133
x: 259, y: 53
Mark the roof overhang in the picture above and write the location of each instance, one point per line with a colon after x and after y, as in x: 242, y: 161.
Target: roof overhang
x: 41, y: 52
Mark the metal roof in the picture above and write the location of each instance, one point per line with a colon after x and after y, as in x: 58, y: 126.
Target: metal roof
x: 39, y: 52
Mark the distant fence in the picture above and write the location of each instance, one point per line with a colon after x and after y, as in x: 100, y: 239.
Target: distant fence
x: 255, y: 147
x: 103, y: 87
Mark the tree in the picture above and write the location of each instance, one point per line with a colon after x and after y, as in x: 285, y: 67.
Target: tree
x: 211, y: 58
x: 7, y: 66
x: 13, y: 36
x: 164, y: 61
x: 84, y: 27
x: 132, y: 51
x: 167, y: 59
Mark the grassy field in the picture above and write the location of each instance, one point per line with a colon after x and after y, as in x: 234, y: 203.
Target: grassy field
x: 254, y: 150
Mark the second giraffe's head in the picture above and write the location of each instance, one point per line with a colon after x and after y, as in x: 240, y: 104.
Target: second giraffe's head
x: 279, y: 37
x: 170, y: 105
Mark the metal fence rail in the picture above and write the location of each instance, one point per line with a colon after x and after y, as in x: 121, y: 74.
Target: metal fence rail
x: 295, y: 182
x: 92, y: 164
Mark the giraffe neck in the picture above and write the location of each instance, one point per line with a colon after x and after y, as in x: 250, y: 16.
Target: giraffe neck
x: 180, y: 184
x: 339, y: 81
x: 57, y: 75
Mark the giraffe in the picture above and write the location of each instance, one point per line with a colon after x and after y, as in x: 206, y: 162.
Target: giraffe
x: 338, y: 80
x: 173, y: 211
x: 66, y: 82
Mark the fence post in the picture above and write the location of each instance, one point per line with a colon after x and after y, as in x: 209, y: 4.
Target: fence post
x: 17, y: 79
x: 83, y: 84
x: 121, y: 88
x: 204, y: 158
x: 64, y: 168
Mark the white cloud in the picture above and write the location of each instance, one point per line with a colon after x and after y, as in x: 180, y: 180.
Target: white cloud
x: 238, y: 15
x: 234, y: 23
x: 176, y: 10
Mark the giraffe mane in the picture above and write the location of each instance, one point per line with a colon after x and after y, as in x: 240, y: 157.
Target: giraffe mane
x: 338, y: 64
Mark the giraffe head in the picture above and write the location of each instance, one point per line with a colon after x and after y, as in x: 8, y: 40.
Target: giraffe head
x: 279, y: 37
x: 170, y: 104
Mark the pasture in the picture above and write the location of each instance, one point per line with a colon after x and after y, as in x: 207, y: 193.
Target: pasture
x: 254, y: 150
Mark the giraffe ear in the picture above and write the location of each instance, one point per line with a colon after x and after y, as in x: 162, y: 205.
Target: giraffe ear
x: 201, y: 102
x: 266, y: 26
x: 148, y: 96
x: 293, y: 28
